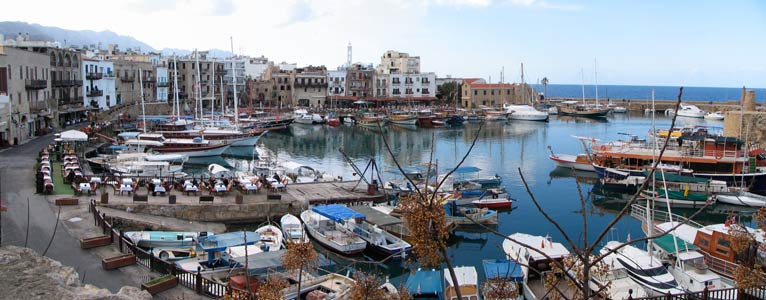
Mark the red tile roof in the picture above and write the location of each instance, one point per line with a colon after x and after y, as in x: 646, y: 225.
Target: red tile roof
x: 469, y: 81
x: 493, y: 86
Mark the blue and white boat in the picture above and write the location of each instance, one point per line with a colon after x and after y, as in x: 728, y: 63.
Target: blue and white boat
x: 425, y: 284
x: 217, y: 252
x: 469, y: 215
x: 504, y: 270
x: 324, y: 224
x: 151, y: 239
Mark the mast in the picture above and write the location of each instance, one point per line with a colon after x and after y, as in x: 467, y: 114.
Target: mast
x: 198, y: 105
x: 222, y: 95
x: 143, y: 109
x: 595, y: 71
x: 176, y: 103
x: 234, y: 84
x: 650, y: 201
x: 212, y: 94
x: 582, y: 77
x: 523, y: 87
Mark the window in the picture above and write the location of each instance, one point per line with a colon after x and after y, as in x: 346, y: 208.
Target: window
x: 475, y: 93
x: 485, y: 92
x: 704, y: 242
x: 508, y: 92
x: 3, y: 81
x: 492, y: 92
x: 724, y: 242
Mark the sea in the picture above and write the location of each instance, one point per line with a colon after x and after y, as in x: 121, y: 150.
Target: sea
x: 619, y: 92
x: 509, y: 149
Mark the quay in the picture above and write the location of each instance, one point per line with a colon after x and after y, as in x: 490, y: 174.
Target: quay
x: 660, y: 105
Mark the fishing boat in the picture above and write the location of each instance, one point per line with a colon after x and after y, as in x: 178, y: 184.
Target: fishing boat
x: 643, y: 268
x: 715, y: 116
x: 330, y: 286
x: 322, y: 226
x: 579, y: 162
x: 213, y: 252
x: 575, y: 108
x: 742, y: 198
x: 469, y: 216
x: 525, y: 113
x: 468, y: 284
x: 371, y: 120
x: 403, y: 118
x: 683, y: 191
x: 494, y: 203
x: 151, y: 239
x: 271, y: 238
x: 503, y: 270
x: 425, y: 284
x: 293, y: 230
x: 378, y: 240
x: 425, y: 118
x: 687, y: 110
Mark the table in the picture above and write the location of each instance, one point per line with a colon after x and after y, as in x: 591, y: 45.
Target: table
x: 220, y: 188
x: 191, y: 189
x: 126, y: 189
x: 159, y: 189
x: 127, y: 181
x: 85, y: 186
x: 156, y: 181
x: 95, y: 180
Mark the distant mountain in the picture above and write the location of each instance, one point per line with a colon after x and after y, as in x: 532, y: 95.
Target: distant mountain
x: 212, y: 53
x: 75, y: 38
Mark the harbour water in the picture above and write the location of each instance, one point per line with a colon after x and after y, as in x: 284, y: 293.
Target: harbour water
x: 618, y: 92
x: 502, y: 149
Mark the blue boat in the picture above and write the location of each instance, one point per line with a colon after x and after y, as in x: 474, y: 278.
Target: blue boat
x: 504, y: 270
x: 425, y: 284
x: 151, y: 239
x: 460, y: 215
x: 212, y: 254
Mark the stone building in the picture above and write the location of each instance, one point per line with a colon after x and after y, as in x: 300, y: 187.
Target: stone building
x: 476, y: 93
x: 190, y: 89
x: 309, y: 86
x: 25, y: 85
x: 359, y: 81
x: 99, y: 85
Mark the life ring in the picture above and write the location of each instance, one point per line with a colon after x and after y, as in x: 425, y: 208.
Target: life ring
x: 718, y: 155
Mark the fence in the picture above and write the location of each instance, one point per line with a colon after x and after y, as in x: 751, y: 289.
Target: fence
x: 191, y: 280
x: 729, y: 293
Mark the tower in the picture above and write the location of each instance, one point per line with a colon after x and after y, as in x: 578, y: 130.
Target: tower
x: 348, y: 55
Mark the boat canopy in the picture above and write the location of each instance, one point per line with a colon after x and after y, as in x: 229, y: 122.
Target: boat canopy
x: 676, y: 178
x: 666, y: 243
x: 73, y: 136
x: 425, y: 282
x: 467, y: 169
x: 220, y: 242
x: 337, y: 212
x: 129, y: 134
x: 503, y: 268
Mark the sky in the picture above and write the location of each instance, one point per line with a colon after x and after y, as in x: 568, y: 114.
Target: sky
x: 650, y: 42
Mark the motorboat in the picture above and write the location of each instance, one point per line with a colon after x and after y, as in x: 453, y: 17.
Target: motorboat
x: 535, y: 255
x: 330, y: 286
x: 644, y: 269
x: 173, y: 253
x: 525, y: 112
x: 293, y: 230
x: 715, y: 116
x: 403, y: 118
x: 504, y: 272
x: 213, y: 252
x: 323, y: 227
x: 151, y: 239
x: 271, y: 238
x: 371, y: 120
x: 219, y: 171
x: 693, y: 274
x: 302, y: 116
x: 579, y: 162
x: 468, y: 284
x: 619, y: 110
x: 742, y: 198
x: 455, y: 120
x: 378, y: 240
x: 146, y: 168
x: 469, y: 215
x: 615, y: 275
x: 425, y: 118
x: 494, y: 203
x: 687, y: 110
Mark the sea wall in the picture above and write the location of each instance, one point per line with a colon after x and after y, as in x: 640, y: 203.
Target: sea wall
x: 225, y: 213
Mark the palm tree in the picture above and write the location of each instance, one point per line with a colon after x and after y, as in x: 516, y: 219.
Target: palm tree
x: 545, y: 86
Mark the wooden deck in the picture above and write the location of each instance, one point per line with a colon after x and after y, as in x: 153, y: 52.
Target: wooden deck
x: 332, y: 192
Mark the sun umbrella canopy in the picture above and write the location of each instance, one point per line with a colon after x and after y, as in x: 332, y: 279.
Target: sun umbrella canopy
x: 73, y: 136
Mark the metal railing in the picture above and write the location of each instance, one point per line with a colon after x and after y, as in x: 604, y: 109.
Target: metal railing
x: 35, y: 84
x: 730, y: 294
x: 95, y: 93
x: 94, y: 75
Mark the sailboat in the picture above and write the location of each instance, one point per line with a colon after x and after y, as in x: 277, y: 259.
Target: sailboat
x: 524, y: 112
x: 573, y: 108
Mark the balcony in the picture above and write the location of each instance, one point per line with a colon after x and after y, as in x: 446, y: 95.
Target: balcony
x: 36, y: 106
x: 130, y: 78
x: 94, y: 75
x: 163, y: 84
x: 34, y: 84
x: 148, y: 79
x: 109, y: 75
x: 396, y: 82
x: 75, y: 82
x: 95, y: 93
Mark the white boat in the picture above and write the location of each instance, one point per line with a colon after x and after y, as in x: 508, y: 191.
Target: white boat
x: 716, y: 116
x: 534, y: 261
x: 742, y: 198
x: 621, y: 285
x: 371, y: 120
x: 146, y: 168
x: 293, y: 230
x: 331, y: 286
x: 644, y: 269
x: 687, y: 110
x: 525, y: 112
x: 151, y: 239
x: 271, y: 238
x: 302, y: 116
x: 619, y: 110
x: 578, y: 162
x: 467, y: 283
x: 553, y: 110
x: 379, y: 240
x: 218, y: 171
x: 693, y: 274
x: 326, y: 232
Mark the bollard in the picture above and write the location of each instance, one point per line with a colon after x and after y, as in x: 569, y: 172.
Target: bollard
x: 198, y: 281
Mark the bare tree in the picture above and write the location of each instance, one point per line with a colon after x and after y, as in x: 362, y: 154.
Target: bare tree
x: 300, y: 257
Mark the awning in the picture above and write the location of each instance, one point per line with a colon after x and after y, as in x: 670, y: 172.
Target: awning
x: 73, y: 136
x: 503, y: 268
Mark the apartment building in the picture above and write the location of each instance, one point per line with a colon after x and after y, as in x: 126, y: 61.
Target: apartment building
x: 359, y: 81
x: 26, y: 103
x: 309, y: 86
x: 99, y: 85
x: 411, y: 86
x: 395, y: 62
x: 195, y: 82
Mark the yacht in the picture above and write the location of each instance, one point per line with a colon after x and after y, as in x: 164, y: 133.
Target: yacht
x: 687, y: 110
x: 302, y: 116
x: 533, y: 263
x: 644, y: 269
x: 715, y: 116
x: 525, y: 112
x: 622, y: 286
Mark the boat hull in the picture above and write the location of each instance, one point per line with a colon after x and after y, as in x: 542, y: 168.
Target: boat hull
x: 493, y: 203
x: 404, y: 121
x: 745, y: 199
x: 562, y: 161
x: 203, y: 152
x: 320, y: 238
x: 529, y: 117
x: 246, y: 142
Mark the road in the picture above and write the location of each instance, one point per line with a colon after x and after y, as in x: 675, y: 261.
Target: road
x: 16, y: 169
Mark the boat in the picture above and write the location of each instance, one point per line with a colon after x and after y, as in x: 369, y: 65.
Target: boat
x: 692, y: 273
x: 525, y: 112
x: 323, y: 228
x: 579, y: 162
x: 621, y: 286
x: 455, y: 120
x: 425, y: 118
x: 173, y: 253
x: 196, y: 147
x: 213, y: 252
x: 232, y: 136
x: 425, y: 284
x: 742, y: 198
x: 219, y: 171
x: 715, y: 116
x: 151, y: 239
x: 644, y: 269
x: 469, y: 216
x: 687, y: 110
x: 403, y: 118
x: 371, y: 120
x: 292, y: 229
x: 468, y: 284
x: 271, y: 238
x: 496, y: 270
x: 330, y: 286
x: 302, y: 116
x: 575, y: 108
x: 494, y: 203
x: 536, y: 261
x: 491, y: 114
x: 619, y: 109
x: 438, y: 123
x: 378, y: 240
x: 683, y: 191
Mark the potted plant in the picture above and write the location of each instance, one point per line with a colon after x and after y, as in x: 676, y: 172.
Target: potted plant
x: 161, y: 284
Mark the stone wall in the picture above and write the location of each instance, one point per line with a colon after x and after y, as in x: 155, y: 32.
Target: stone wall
x: 252, y: 212
x: 754, y: 129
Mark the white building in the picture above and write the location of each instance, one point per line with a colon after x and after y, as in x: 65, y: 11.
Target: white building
x: 287, y: 66
x: 412, y: 86
x: 162, y: 83
x: 255, y: 67
x: 98, y: 83
x: 393, y: 62
x: 336, y: 82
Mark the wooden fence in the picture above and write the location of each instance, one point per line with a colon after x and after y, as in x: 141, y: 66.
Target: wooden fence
x: 191, y: 280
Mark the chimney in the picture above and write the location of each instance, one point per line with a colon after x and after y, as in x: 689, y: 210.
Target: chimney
x: 742, y: 97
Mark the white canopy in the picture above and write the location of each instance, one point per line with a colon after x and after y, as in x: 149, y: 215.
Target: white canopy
x: 74, y: 136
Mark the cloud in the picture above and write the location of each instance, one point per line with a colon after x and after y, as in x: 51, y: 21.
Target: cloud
x: 298, y: 12
x: 542, y: 4
x: 222, y: 7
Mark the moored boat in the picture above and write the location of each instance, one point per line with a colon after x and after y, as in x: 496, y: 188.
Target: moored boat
x: 151, y: 239
x: 271, y: 238
x: 643, y: 268
x: 578, y: 162
x: 574, y: 108
x: 371, y: 120
x: 525, y: 113
x: 403, y: 118
x: 323, y: 228
x: 468, y: 283
x: 687, y: 110
x: 469, y: 215
x: 293, y: 230
x: 494, y: 203
x: 716, y: 116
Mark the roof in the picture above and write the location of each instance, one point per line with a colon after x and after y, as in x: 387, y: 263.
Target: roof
x: 666, y: 243
x: 539, y: 243
x: 492, y: 86
x: 223, y: 240
x: 684, y: 231
x: 465, y: 276
x: 73, y: 135
x: 424, y: 282
x: 470, y: 81
x: 258, y: 263
x: 677, y: 178
x: 503, y: 268
x: 336, y: 212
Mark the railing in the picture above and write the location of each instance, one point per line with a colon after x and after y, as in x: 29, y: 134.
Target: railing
x: 730, y: 293
x: 128, y: 78
x: 34, y: 84
x: 37, y: 105
x: 162, y: 84
x: 638, y: 211
x: 95, y: 93
x: 94, y: 75
x: 191, y: 280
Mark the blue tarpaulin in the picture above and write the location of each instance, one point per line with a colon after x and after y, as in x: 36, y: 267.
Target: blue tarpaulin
x: 337, y: 212
x: 425, y: 282
x: 220, y: 242
x: 467, y: 169
x: 503, y: 268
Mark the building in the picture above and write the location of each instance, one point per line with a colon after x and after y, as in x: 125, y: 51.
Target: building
x: 336, y: 82
x: 412, y: 86
x: 189, y: 87
x: 162, y: 83
x: 98, y: 84
x: 274, y: 88
x: 393, y: 62
x: 255, y: 67
x: 235, y: 66
x: 359, y: 81
x: 309, y: 86
x: 476, y: 93
x: 25, y: 86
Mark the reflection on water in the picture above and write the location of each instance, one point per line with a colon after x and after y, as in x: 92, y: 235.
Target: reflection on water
x: 501, y: 148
